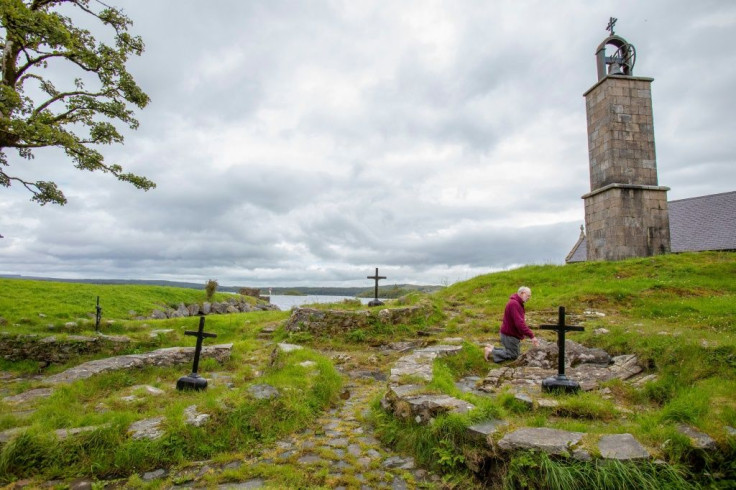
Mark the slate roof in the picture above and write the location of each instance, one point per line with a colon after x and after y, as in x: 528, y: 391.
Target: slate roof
x: 696, y: 224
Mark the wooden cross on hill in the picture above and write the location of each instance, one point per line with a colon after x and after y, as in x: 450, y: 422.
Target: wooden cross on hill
x: 561, y: 382
x: 375, y: 301
x: 194, y: 381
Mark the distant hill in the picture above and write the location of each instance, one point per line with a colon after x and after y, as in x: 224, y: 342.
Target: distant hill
x: 303, y: 290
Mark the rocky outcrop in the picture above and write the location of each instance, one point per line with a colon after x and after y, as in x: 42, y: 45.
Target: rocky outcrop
x: 589, y: 367
x: 547, y: 354
x: 340, y: 321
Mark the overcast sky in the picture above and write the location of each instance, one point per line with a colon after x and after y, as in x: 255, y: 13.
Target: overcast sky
x: 308, y: 142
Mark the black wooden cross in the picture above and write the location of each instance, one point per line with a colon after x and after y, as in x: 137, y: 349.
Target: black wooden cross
x: 611, y: 24
x: 98, y: 315
x: 375, y: 301
x: 194, y: 381
x: 561, y: 382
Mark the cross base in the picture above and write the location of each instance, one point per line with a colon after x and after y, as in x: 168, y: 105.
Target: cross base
x: 375, y: 302
x: 560, y: 383
x: 192, y: 382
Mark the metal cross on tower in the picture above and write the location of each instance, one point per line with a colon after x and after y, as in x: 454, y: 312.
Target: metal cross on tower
x: 561, y: 382
x: 375, y: 301
x: 194, y: 381
x: 611, y: 23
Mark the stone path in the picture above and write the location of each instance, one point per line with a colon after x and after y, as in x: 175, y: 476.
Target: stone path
x: 340, y: 443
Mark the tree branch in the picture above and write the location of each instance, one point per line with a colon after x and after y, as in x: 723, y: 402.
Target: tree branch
x: 63, y: 95
x: 33, y: 62
x: 43, y: 192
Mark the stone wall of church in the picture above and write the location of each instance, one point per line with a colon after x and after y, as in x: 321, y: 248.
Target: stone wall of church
x: 621, y: 132
x: 625, y: 221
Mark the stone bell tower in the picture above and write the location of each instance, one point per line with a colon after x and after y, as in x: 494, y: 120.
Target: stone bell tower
x: 626, y: 210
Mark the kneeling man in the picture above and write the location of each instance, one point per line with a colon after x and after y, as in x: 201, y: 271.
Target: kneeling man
x: 513, y: 328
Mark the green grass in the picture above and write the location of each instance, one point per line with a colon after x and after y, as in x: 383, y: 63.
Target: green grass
x: 22, y: 302
x: 239, y: 422
x: 675, y: 312
x: 541, y: 471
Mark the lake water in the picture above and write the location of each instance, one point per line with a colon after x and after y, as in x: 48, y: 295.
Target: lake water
x: 285, y: 302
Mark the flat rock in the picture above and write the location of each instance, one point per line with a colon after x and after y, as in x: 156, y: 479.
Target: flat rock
x: 8, y: 434
x: 418, y: 364
x: 483, y: 430
x: 153, y: 475
x: 551, y: 441
x: 284, y: 347
x: 263, y: 391
x: 252, y: 483
x: 403, y: 391
x: 468, y: 384
x: 441, y: 350
x: 524, y: 398
x: 399, y: 462
x: 192, y: 417
x: 28, y: 396
x: 147, y: 429
x: 62, y: 434
x: 427, y: 407
x: 547, y: 403
x: 162, y: 357
x: 309, y: 459
x: 148, y: 389
x: 581, y: 455
x: 622, y: 447
x: 699, y: 440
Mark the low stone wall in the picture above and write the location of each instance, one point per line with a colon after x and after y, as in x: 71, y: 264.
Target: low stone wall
x: 340, y: 321
x: 17, y: 347
x: 235, y: 304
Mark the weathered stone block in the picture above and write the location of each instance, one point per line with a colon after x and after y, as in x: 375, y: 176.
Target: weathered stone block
x: 622, y: 447
x: 551, y: 441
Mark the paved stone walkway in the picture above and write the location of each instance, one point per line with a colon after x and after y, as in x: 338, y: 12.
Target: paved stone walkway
x: 340, y: 442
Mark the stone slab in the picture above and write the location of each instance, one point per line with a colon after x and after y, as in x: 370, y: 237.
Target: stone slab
x: 28, y: 396
x: 623, y: 447
x: 284, y: 347
x: 483, y: 430
x: 170, y: 356
x: 147, y: 429
x: 698, y: 439
x: 551, y: 441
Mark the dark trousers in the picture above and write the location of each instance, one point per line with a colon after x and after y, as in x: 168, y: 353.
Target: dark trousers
x: 510, y: 350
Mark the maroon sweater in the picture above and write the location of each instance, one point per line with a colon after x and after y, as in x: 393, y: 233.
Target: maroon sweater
x: 513, y: 319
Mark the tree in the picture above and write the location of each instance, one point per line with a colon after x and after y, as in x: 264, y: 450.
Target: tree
x: 210, y: 288
x: 34, y: 113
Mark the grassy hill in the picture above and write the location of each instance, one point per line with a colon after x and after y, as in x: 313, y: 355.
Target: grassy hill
x: 676, y: 312
x: 30, y: 305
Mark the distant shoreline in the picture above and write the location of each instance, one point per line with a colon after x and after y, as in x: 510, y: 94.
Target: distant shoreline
x: 282, y: 290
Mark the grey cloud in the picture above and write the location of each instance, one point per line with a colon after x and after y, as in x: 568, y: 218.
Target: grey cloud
x: 461, y: 125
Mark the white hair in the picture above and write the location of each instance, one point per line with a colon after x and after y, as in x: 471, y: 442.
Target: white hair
x: 524, y: 289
